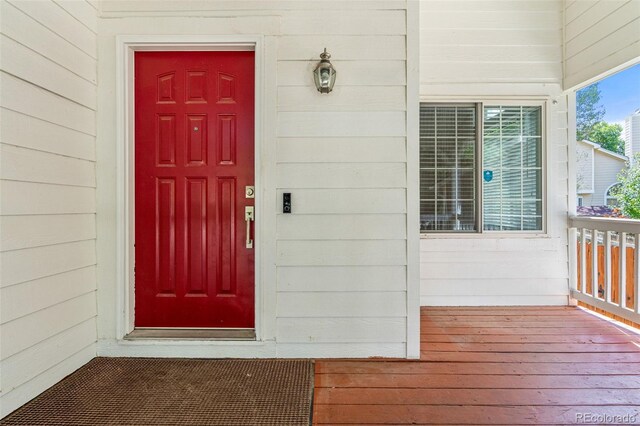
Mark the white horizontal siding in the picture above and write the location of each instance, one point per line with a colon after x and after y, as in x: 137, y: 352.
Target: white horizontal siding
x: 30, y: 132
x: 341, y: 227
x: 27, y: 31
x: 29, y: 363
x: 493, y: 300
x: 19, y: 60
x: 477, y: 50
x: 489, y: 39
x: 352, y: 47
x: 348, y: 201
x: 48, y: 200
x: 342, y: 150
x: 336, y: 22
x: 352, y: 124
x: 341, y: 278
x: 342, y: 304
x: 608, y: 168
x: 461, y: 14
x: 29, y: 99
x: 176, y: 7
x: 341, y: 175
x: 45, y: 323
x: 342, y: 156
x: 21, y: 232
x: 31, y: 296
x: 350, y: 350
x: 498, y: 5
x: 541, y: 269
x: 81, y: 10
x: 54, y: 17
x: 314, y: 320
x: 488, y: 89
x: 343, y: 98
x: 22, y: 198
x: 261, y: 23
x: 491, y: 243
x: 27, y: 165
x: 484, y: 287
x: 29, y: 264
x: 47, y: 378
x: 352, y: 73
x: 341, y: 253
x: 341, y: 330
x: 599, y: 36
x: 497, y: 53
x: 490, y: 48
x: 575, y: 8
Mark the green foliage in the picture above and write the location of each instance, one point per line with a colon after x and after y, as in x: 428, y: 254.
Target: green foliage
x: 608, y: 135
x: 628, y: 192
x: 588, y: 110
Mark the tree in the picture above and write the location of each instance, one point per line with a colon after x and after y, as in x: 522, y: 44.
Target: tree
x: 588, y: 110
x: 628, y: 192
x: 608, y: 135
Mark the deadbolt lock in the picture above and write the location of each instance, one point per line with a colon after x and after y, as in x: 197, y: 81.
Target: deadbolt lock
x: 250, y: 192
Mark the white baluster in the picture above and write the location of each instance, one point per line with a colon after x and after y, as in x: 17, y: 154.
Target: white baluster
x: 623, y: 268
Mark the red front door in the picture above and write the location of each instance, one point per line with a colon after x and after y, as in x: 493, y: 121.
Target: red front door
x: 194, y: 158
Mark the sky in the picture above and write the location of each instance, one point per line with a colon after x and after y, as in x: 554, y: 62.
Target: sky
x: 620, y: 94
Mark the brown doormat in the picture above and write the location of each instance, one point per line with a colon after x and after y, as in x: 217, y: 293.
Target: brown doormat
x: 141, y: 391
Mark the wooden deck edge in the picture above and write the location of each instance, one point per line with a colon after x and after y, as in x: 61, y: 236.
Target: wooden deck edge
x: 609, y: 315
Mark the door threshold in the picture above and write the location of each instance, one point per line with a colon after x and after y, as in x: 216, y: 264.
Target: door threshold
x: 192, y: 333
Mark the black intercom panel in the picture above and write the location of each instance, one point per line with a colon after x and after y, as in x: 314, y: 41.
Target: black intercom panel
x: 286, y: 202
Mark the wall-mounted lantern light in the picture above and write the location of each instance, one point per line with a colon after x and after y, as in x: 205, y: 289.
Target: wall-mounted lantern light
x: 324, y: 75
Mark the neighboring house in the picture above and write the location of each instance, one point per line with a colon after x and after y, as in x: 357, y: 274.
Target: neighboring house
x: 147, y: 147
x: 631, y: 135
x: 597, y: 172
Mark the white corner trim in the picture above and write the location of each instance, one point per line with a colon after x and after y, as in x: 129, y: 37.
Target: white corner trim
x: 413, y: 179
x: 126, y: 45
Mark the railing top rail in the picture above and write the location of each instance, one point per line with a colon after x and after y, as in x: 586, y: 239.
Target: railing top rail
x: 605, y: 224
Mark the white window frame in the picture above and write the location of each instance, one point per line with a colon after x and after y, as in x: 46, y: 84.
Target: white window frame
x: 481, y: 103
x: 606, y: 193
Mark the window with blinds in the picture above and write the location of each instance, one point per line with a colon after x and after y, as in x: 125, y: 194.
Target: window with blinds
x: 448, y: 167
x: 511, y: 155
x: 510, y: 179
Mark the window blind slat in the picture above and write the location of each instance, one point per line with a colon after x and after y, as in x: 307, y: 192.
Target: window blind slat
x: 512, y: 147
x: 447, y: 167
x: 511, y: 159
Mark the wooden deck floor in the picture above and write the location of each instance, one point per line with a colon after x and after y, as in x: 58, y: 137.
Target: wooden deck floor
x: 519, y: 365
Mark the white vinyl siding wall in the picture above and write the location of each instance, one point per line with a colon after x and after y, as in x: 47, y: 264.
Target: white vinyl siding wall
x: 48, y: 81
x: 584, y: 168
x: 334, y: 279
x: 607, y: 167
x: 599, y: 35
x: 597, y: 170
x: 498, y: 50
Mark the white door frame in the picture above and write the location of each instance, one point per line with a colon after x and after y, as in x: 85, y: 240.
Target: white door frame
x: 125, y: 172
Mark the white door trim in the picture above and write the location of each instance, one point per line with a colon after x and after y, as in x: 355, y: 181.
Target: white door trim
x: 125, y: 163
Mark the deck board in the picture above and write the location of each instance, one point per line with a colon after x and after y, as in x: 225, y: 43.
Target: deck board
x: 490, y: 366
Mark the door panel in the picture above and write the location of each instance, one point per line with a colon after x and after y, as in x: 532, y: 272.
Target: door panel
x: 194, y: 156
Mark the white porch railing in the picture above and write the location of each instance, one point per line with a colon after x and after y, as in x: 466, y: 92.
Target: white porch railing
x: 604, y: 256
